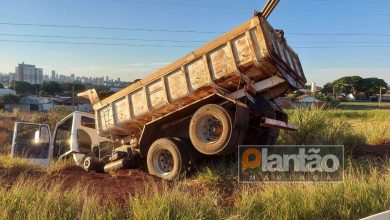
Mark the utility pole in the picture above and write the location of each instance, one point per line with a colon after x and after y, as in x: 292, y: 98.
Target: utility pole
x: 73, y: 97
x: 313, y: 90
x: 380, y: 96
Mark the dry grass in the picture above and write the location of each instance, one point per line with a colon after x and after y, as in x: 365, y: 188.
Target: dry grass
x: 320, y: 127
x: 365, y: 191
x: 6, y: 162
x: 344, y: 127
x: 7, y: 121
x: 214, y: 193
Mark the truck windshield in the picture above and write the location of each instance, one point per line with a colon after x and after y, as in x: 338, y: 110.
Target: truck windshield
x: 32, y: 141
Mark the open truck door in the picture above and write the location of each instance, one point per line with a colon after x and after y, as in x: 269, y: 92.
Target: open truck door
x: 31, y: 141
x: 73, y: 137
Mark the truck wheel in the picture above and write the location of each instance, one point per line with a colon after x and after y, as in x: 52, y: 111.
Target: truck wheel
x: 211, y: 130
x: 167, y: 159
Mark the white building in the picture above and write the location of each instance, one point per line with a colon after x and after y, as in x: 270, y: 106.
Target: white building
x: 307, y: 99
x: 29, y: 73
x: 6, y: 92
x: 32, y: 103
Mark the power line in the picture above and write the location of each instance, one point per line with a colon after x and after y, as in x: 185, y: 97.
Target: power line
x: 340, y: 42
x: 178, y: 41
x: 182, y: 5
x: 339, y: 34
x: 344, y: 2
x: 168, y: 46
x: 354, y: 46
x: 102, y: 38
x: 93, y: 43
x: 108, y: 28
x: 337, y: 12
x: 177, y: 30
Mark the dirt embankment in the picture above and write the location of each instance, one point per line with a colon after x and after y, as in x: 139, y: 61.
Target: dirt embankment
x: 115, y: 186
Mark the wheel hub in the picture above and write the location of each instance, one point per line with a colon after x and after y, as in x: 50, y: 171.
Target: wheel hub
x: 209, y: 129
x: 163, y: 162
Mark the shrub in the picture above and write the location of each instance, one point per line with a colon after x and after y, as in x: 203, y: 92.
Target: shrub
x: 318, y: 127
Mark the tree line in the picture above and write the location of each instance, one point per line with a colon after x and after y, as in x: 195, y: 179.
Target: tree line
x: 355, y: 84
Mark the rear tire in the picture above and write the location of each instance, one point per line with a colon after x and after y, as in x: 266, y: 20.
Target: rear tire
x: 167, y: 158
x: 211, y: 130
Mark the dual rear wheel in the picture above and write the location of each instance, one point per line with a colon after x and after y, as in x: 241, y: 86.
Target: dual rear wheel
x: 211, y: 130
x: 211, y: 133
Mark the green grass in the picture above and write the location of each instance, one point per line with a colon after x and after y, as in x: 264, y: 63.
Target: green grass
x: 342, y: 127
x: 319, y: 127
x: 364, y: 105
x: 33, y: 199
x: 177, y: 202
x: 365, y: 191
x: 6, y: 162
x: 214, y: 193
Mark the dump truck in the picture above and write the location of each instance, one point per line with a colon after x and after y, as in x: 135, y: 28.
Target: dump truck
x: 206, y: 103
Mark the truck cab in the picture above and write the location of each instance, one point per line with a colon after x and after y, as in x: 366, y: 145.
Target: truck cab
x: 74, y: 136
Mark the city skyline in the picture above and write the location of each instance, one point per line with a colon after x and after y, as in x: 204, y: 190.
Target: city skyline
x: 34, y: 75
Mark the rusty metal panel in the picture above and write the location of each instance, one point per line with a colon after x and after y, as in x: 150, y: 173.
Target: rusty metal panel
x: 297, y: 67
x: 222, y: 62
x: 106, y: 119
x: 198, y: 73
x: 177, y: 85
x: 252, y: 49
x: 241, y: 50
x: 122, y: 110
x: 139, y: 103
x: 278, y: 47
x: 269, y: 122
x: 255, y: 41
x: 290, y: 61
x: 156, y: 94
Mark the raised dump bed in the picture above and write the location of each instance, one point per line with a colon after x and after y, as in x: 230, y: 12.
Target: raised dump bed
x: 250, y: 53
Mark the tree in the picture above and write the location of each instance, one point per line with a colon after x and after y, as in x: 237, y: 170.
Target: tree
x: 1, y: 86
x: 67, y: 88
x: 51, y: 88
x: 327, y: 88
x: 348, y: 84
x: 371, y: 86
x: 25, y: 88
x: 10, y: 99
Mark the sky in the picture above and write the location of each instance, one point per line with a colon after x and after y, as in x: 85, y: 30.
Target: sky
x: 134, y: 38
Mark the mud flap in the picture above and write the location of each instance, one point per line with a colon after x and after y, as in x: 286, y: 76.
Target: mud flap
x: 240, y: 127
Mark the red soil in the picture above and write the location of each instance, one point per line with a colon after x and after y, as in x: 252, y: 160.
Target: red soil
x: 114, y: 187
